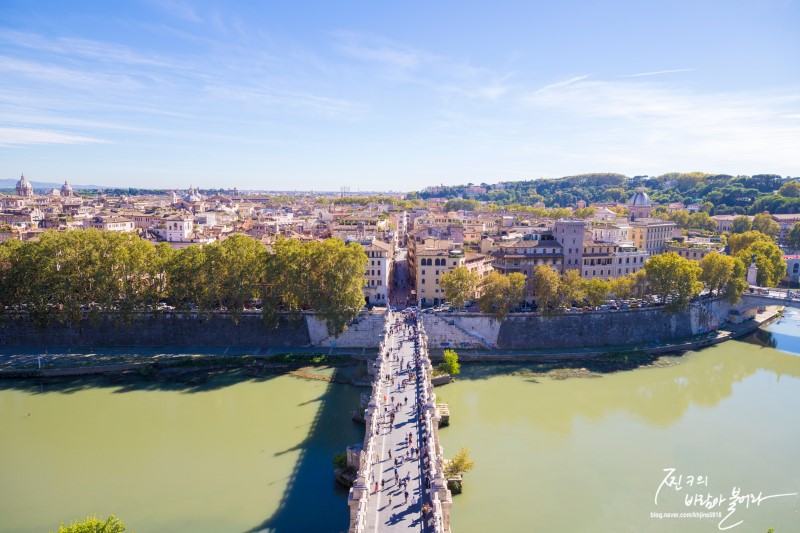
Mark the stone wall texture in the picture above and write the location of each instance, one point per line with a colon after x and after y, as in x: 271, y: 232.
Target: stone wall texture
x: 528, y: 331
x: 172, y: 329
x: 585, y: 329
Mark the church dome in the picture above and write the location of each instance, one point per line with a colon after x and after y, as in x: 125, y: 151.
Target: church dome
x: 66, y: 189
x: 640, y: 198
x: 24, y: 188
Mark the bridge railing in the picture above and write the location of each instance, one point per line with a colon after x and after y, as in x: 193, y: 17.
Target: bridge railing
x: 440, y: 496
x: 358, y: 498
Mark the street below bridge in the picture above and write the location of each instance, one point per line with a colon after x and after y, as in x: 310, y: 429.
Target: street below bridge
x: 396, y: 481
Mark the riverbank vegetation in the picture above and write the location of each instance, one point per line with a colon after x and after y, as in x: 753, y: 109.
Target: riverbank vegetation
x: 93, y: 524
x: 455, y: 468
x: 666, y: 279
x: 450, y: 365
x: 68, y: 276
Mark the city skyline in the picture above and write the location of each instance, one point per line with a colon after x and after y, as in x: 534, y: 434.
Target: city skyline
x: 167, y: 94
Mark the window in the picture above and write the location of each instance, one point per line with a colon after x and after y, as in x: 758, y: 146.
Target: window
x: 423, y: 271
x: 423, y: 281
x: 379, y: 283
x: 454, y: 263
x: 437, y: 281
x: 437, y: 272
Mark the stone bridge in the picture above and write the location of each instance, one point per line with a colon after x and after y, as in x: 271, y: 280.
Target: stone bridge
x: 763, y: 296
x: 400, y: 484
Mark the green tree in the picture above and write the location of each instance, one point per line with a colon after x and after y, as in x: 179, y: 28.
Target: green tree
x: 672, y: 275
x: 93, y: 524
x: 763, y: 222
x: 545, y: 285
x: 499, y: 293
x: 790, y: 189
x: 793, y: 237
x: 570, y: 289
x: 186, y: 279
x: 737, y: 283
x: 769, y: 261
x: 621, y: 287
x: 701, y: 221
x: 744, y: 240
x: 741, y: 224
x: 639, y: 286
x: 615, y: 194
x: 716, y: 271
x: 459, y: 285
x: 460, y: 463
x: 336, y: 281
x: 240, y: 272
x: 450, y: 365
x: 596, y: 291
x: 459, y: 204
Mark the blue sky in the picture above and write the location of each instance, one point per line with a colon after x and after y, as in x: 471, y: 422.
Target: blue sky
x: 394, y: 95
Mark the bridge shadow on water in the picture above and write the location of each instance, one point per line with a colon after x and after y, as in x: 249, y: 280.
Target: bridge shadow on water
x: 313, y: 500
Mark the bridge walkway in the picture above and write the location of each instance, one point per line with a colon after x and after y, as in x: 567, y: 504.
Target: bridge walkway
x: 400, y: 484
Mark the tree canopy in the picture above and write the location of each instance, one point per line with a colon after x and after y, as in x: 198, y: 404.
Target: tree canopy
x: 459, y: 285
x: 743, y: 240
x: 545, y: 284
x: 66, y: 276
x: 769, y: 261
x: 793, y: 237
x: 500, y: 292
x: 93, y: 524
x: 670, y: 275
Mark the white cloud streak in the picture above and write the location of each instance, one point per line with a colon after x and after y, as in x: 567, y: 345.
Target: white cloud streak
x: 647, y: 125
x: 657, y: 72
x: 13, y: 136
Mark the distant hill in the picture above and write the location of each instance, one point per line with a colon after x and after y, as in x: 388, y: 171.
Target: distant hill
x: 12, y: 183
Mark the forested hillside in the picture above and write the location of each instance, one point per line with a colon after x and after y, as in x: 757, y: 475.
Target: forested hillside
x: 727, y: 194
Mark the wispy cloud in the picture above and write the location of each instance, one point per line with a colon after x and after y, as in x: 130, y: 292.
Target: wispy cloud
x: 178, y: 9
x: 374, y: 49
x: 12, y: 136
x: 564, y: 83
x: 102, y: 51
x: 76, y: 79
x: 268, y: 100
x: 655, y: 124
x: 657, y: 72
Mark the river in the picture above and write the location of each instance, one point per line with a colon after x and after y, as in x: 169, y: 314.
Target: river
x: 588, y: 455
x: 575, y: 455
x: 214, y: 458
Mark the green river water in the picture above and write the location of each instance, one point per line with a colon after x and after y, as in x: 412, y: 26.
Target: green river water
x: 577, y: 455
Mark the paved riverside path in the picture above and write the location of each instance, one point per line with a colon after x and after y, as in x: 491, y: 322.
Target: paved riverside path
x: 388, y: 509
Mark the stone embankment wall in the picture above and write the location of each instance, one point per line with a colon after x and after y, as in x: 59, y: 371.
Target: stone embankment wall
x: 585, y: 329
x: 169, y: 329
x: 519, y: 331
